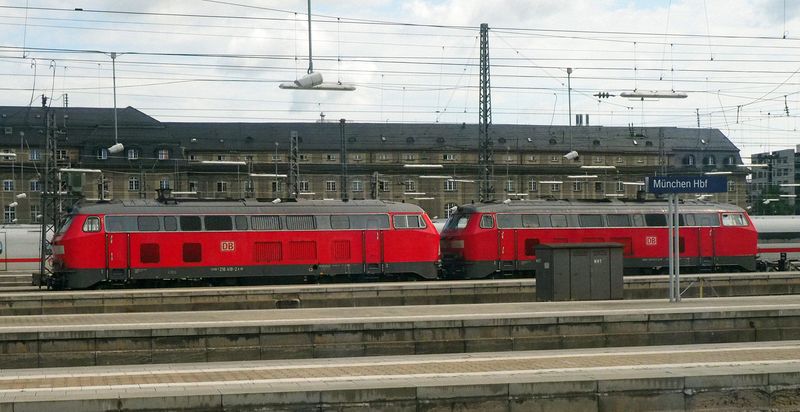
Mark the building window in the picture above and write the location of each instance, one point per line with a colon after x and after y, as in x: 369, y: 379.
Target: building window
x: 8, y: 185
x: 598, y: 187
x: 164, y: 183
x: 620, y: 186
x: 133, y: 154
x: 383, y: 156
x: 555, y: 159
x: 34, y: 154
x: 449, y: 209
x: 411, y: 185
x: 133, y: 184
x: 36, y: 213
x: 688, y: 160
x: 532, y: 158
x: 620, y: 160
x: 248, y: 158
x: 61, y: 154
x: 9, y: 214
x: 102, y: 153
x: 358, y: 157
x: 597, y: 159
x: 331, y: 157
x: 303, y: 157
x: 358, y: 186
x: 276, y: 157
x: 709, y: 161
x: 383, y: 185
x: 510, y: 186
x: 555, y: 187
x: 330, y: 186
x: 35, y: 185
x: 410, y: 156
x: 193, y: 186
x: 9, y: 152
x: 533, y: 186
x: 640, y: 160
x: 221, y: 158
x: 192, y: 157
x: 450, y: 185
x: 577, y: 186
x: 304, y: 186
x: 448, y: 157
x: 277, y: 186
x: 731, y: 186
x: 163, y: 154
x: 222, y: 187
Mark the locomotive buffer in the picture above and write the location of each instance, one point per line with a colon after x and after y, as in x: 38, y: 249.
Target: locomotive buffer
x: 672, y: 186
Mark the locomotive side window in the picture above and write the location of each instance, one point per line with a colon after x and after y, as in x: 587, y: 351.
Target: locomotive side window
x: 218, y: 222
x: 149, y: 253
x: 638, y: 220
x: 733, y: 219
x: 170, y: 223
x: 340, y: 222
x: 686, y: 220
x: 530, y: 221
x: 241, y: 222
x: 191, y: 224
x: 369, y: 222
x: 121, y: 224
x: 487, y: 222
x: 266, y: 222
x: 192, y: 252
x: 591, y: 220
x: 558, y: 220
x: 148, y: 223
x: 301, y: 222
x: 92, y: 224
x: 619, y: 220
x: 508, y: 221
x: 653, y: 219
x: 706, y: 219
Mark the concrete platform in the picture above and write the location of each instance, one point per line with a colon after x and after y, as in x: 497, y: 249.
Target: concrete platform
x: 729, y: 377
x: 368, y: 294
x: 136, y: 338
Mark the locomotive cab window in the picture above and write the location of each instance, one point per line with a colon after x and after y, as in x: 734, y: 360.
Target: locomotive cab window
x: 706, y: 219
x: 92, y: 224
x: 733, y: 219
x: 408, y: 222
x: 508, y: 221
x: 487, y: 222
x: 530, y: 221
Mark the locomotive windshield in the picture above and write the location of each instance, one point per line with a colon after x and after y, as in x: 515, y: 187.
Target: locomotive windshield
x: 66, y: 224
x: 457, y: 222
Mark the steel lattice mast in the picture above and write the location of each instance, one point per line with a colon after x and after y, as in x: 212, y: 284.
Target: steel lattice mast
x: 486, y: 149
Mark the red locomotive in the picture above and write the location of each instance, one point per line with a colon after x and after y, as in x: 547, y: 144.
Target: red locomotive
x: 149, y: 241
x: 490, y: 239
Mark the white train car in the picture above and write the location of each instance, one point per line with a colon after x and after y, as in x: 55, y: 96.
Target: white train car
x: 778, y: 235
x: 20, y: 248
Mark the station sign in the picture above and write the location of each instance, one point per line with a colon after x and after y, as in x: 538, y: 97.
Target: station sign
x: 687, y: 184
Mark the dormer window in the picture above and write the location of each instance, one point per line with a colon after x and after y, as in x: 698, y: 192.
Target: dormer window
x: 133, y: 154
x: 163, y: 154
x: 102, y: 153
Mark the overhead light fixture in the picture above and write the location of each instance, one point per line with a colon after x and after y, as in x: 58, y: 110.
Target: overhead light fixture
x: 75, y: 170
x: 754, y: 165
x: 422, y: 166
x: 306, y: 193
x: 9, y: 155
x: 770, y: 200
x: 778, y: 196
x: 790, y: 184
x: 313, y: 81
x: 530, y: 140
x: 462, y: 180
x: 704, y: 196
x: 614, y: 195
x: 635, y: 142
x: 633, y: 183
x: 653, y: 94
x: 551, y: 182
x: 414, y: 194
x: 116, y: 148
x: 718, y: 173
x: 598, y: 167
x: 224, y: 162
x: 13, y: 204
x: 184, y: 193
x: 22, y: 196
x: 572, y: 155
x: 435, y: 177
x: 266, y: 175
x: 423, y: 198
x: 582, y: 177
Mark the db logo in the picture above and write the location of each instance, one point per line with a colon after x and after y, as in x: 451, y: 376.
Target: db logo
x: 651, y: 240
x: 227, y: 246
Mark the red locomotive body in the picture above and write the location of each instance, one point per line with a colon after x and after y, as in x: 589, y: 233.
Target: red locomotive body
x: 500, y: 238
x: 145, y: 240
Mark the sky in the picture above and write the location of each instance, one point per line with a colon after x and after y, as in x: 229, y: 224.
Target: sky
x: 738, y: 61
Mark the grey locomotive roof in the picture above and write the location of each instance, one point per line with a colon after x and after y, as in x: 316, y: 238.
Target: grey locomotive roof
x: 315, y: 207
x: 607, y: 206
x: 92, y: 127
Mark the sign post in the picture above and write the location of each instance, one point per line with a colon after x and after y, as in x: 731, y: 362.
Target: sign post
x: 672, y: 186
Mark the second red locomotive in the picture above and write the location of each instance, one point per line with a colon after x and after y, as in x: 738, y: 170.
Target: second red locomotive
x: 141, y: 241
x: 489, y: 239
